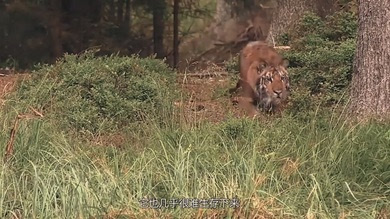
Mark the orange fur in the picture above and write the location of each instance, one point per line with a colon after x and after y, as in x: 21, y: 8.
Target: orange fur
x: 263, y: 78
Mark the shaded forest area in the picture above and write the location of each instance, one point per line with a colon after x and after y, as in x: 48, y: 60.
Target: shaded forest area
x: 42, y: 30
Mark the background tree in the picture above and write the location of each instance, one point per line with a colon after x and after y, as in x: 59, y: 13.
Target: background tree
x: 175, y: 33
x: 158, y: 7
x: 370, y: 94
x: 120, y: 12
x: 288, y: 12
x: 223, y: 10
x: 127, y: 20
x: 55, y: 7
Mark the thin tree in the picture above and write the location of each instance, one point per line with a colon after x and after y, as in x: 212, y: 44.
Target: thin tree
x: 285, y: 15
x: 158, y: 7
x: 55, y: 7
x: 370, y: 92
x: 288, y: 12
x: 223, y: 11
x: 175, y: 33
x: 111, y: 9
x: 127, y: 20
x: 120, y: 12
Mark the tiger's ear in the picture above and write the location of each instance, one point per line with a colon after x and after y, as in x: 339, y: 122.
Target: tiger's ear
x: 285, y: 63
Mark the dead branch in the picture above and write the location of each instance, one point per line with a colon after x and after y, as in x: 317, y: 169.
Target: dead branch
x: 282, y: 47
x: 203, y: 75
x: 10, y: 145
x: 36, y: 113
x: 9, y: 151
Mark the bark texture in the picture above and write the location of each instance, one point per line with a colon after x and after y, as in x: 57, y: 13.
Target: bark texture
x: 55, y: 28
x: 224, y: 11
x: 127, y: 22
x: 370, y: 92
x: 287, y: 13
x: 175, y: 33
x: 158, y: 28
x: 120, y: 12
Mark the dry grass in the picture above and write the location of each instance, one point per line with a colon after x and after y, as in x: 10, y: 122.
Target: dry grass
x: 7, y: 84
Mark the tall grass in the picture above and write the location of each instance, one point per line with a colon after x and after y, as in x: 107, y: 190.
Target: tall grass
x: 280, y: 169
x: 315, y: 166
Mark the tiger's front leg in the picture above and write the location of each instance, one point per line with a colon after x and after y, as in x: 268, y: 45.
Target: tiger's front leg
x: 248, y: 105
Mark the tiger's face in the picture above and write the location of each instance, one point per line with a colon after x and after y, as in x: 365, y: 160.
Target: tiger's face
x: 273, y: 87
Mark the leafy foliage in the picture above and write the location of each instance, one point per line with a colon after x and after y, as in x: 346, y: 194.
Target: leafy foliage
x: 321, y: 59
x: 100, y: 93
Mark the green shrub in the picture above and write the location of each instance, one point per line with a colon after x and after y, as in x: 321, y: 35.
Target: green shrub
x: 91, y: 93
x: 234, y: 128
x: 321, y: 60
x: 232, y: 65
x: 341, y: 25
x: 309, y: 24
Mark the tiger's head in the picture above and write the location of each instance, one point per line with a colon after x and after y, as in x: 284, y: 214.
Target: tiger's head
x: 273, y: 86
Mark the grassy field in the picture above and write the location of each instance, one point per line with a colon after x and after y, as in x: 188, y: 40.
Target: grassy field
x: 111, y: 144
x: 322, y: 166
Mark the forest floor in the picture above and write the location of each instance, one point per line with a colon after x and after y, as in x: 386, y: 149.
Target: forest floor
x: 205, y: 97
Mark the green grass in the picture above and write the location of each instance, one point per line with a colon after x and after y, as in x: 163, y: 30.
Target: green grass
x: 312, y: 164
x: 287, y: 168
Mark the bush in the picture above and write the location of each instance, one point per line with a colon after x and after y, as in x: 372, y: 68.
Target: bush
x: 91, y: 93
x: 232, y: 65
x: 321, y: 60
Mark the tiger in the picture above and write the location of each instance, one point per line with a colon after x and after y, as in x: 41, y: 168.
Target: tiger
x: 256, y: 51
x: 272, y: 86
x: 264, y: 79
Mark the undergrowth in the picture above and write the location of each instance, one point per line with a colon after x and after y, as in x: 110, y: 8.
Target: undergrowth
x: 285, y: 168
x: 99, y: 94
x: 321, y: 60
x: 323, y: 166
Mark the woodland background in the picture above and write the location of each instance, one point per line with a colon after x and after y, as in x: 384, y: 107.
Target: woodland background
x: 42, y: 30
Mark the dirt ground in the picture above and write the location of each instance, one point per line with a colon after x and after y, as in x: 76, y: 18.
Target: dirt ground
x: 205, y: 96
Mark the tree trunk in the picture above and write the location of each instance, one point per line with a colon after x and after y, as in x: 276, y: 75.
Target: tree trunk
x: 2, y: 5
x: 96, y: 11
x: 111, y: 9
x: 224, y: 11
x: 326, y: 7
x: 287, y: 13
x: 127, y: 22
x: 55, y: 7
x: 120, y: 12
x: 370, y: 92
x: 158, y: 28
x: 175, y: 33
